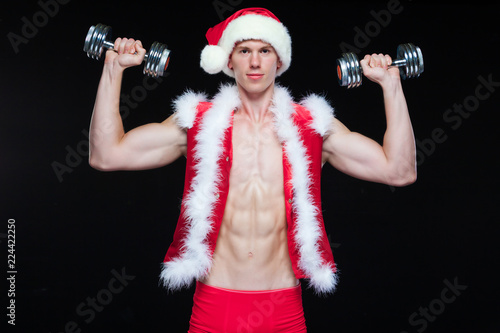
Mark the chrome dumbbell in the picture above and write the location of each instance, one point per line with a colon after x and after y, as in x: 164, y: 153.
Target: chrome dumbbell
x: 409, y: 60
x: 156, y: 60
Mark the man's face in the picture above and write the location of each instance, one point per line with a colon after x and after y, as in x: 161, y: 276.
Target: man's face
x: 254, y: 64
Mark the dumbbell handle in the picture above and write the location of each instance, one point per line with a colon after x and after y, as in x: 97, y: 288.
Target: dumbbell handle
x: 108, y: 45
x: 398, y: 63
x: 111, y: 46
x: 395, y: 63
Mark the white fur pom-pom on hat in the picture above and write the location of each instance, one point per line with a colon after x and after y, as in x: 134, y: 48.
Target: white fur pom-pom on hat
x: 245, y: 24
x: 213, y: 59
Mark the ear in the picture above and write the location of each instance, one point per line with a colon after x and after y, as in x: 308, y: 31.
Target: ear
x: 280, y: 63
x: 230, y: 63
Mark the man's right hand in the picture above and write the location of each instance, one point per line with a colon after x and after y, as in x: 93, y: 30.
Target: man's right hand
x: 127, y: 53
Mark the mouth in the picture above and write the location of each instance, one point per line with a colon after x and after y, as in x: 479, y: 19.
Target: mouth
x: 254, y: 76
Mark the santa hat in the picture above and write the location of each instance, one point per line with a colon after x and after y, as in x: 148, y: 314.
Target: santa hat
x: 245, y: 24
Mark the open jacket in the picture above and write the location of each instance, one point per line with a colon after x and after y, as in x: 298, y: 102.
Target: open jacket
x: 300, y: 129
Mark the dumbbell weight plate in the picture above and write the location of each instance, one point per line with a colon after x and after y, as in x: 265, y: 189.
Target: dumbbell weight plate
x: 157, y: 60
x: 356, y: 71
x: 349, y: 70
x: 96, y: 40
x: 414, y: 60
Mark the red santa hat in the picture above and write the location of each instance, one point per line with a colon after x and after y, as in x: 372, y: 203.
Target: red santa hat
x: 245, y: 24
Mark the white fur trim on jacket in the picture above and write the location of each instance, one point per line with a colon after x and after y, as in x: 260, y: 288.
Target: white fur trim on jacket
x: 185, y: 108
x: 321, y: 112
x: 195, y: 259
x: 308, y: 230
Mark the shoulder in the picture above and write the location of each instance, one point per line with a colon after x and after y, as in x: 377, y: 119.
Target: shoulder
x: 187, y: 106
x: 317, y: 111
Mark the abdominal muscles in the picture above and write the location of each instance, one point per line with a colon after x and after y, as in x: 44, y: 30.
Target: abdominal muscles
x: 252, y: 249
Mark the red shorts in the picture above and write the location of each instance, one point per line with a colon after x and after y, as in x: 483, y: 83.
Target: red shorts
x: 219, y: 310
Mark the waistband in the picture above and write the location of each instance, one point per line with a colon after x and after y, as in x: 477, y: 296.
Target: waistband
x: 290, y: 290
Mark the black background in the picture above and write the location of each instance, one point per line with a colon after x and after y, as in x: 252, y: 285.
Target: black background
x: 394, y: 247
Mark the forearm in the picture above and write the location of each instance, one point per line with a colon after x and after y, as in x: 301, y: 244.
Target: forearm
x: 106, y: 127
x: 399, y: 140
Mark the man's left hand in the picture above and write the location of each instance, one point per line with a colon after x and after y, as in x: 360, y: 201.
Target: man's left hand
x: 376, y: 68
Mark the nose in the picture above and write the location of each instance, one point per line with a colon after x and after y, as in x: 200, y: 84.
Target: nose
x: 255, y: 60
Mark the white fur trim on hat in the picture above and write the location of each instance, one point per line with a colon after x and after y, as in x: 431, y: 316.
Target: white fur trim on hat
x: 247, y: 27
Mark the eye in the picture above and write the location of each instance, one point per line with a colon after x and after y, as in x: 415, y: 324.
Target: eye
x: 265, y: 51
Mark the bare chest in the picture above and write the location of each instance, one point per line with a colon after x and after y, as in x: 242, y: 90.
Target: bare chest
x: 257, y: 155
x: 252, y: 248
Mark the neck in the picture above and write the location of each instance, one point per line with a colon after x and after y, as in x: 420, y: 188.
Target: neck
x: 256, y: 104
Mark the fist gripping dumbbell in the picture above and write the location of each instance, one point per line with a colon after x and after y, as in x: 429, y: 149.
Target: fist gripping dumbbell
x: 156, y: 60
x: 409, y: 60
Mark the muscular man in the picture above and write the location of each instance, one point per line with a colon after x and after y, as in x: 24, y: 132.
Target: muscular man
x: 250, y: 225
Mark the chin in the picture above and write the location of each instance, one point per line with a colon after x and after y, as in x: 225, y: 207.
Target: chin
x: 255, y: 87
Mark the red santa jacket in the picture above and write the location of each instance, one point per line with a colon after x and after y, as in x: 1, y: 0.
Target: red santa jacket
x: 300, y: 129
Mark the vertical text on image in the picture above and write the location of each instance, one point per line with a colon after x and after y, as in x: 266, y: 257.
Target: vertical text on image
x: 11, y: 271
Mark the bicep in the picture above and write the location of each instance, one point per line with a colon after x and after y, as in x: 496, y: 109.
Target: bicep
x: 354, y: 154
x: 151, y: 146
